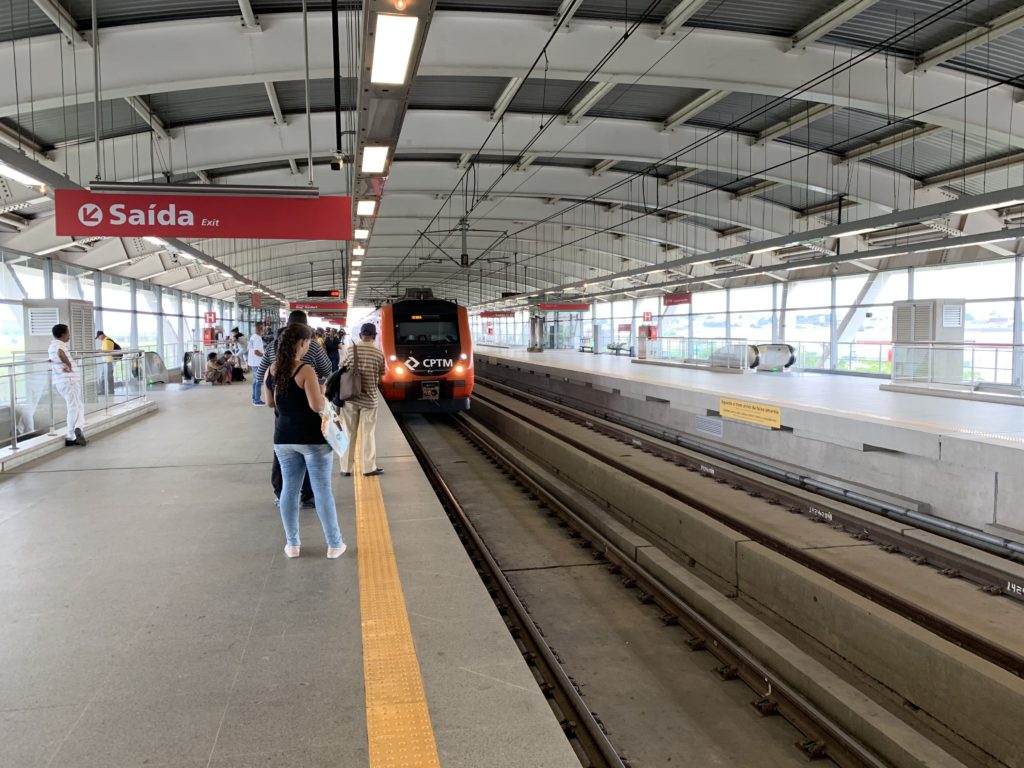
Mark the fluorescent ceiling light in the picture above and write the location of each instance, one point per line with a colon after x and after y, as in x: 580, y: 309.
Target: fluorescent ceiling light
x: 355, y: 272
x: 359, y: 251
x: 361, y: 234
x: 764, y: 250
x: 392, y: 48
x: 155, y: 241
x: 1006, y: 204
x: 857, y: 232
x: 22, y: 178
x: 366, y: 207
x: 54, y: 249
x: 375, y: 159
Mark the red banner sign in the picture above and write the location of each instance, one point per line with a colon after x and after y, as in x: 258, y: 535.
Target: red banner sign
x: 625, y: 328
x: 210, y: 317
x: 675, y: 299
x: 320, y: 306
x: 564, y: 307
x: 498, y: 314
x: 257, y: 301
x: 80, y: 212
x: 648, y: 316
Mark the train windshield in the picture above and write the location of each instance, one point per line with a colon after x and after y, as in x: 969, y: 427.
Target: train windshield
x: 427, y: 330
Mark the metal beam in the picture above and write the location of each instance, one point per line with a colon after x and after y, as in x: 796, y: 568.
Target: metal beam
x: 805, y: 117
x: 204, y: 176
x: 975, y: 169
x: 971, y: 39
x: 892, y: 142
x: 464, y: 160
x: 526, y: 161
x: 56, y: 13
x: 588, y: 101
x: 566, y: 10
x: 249, y: 20
x: 275, y: 105
x: 506, y: 98
x: 829, y: 20
x: 604, y: 165
x: 293, y: 166
x: 147, y: 114
x: 682, y: 173
x: 679, y: 15
x: 753, y: 189
x: 693, y: 108
x: 10, y: 137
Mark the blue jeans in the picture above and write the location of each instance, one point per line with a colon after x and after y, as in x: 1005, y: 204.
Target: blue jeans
x: 295, y: 461
x: 257, y: 390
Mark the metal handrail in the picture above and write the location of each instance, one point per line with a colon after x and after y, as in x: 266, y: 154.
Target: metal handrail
x: 76, y: 354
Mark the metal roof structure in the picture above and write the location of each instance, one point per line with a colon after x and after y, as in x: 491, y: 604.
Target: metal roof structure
x: 574, y: 142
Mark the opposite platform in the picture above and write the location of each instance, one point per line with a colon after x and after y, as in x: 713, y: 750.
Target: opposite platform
x: 150, y: 617
x: 958, y: 458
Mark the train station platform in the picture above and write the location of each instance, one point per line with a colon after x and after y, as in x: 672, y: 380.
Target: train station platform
x: 151, y: 618
x: 956, y: 459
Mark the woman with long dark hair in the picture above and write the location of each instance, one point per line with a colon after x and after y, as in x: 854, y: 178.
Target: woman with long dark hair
x: 291, y: 387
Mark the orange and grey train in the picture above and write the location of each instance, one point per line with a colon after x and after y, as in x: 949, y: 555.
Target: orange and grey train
x: 429, y: 352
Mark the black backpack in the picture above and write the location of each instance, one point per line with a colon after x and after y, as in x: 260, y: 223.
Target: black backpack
x: 116, y: 345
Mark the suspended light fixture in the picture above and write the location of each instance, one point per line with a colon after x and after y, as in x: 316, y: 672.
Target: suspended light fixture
x: 22, y: 178
x: 366, y: 207
x: 375, y: 159
x: 392, y: 48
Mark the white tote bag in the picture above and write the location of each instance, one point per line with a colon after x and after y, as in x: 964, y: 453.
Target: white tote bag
x: 333, y: 429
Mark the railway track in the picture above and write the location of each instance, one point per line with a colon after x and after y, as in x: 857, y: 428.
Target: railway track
x: 946, y: 561
x: 578, y: 547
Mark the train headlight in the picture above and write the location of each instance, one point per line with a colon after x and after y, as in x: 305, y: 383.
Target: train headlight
x: 399, y: 371
x: 459, y: 369
x: 393, y: 358
x: 463, y: 356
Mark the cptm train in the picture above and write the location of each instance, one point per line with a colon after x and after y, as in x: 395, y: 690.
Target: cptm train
x: 429, y: 351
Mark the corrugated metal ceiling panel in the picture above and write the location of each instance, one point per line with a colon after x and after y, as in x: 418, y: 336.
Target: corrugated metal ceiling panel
x: 630, y: 166
x: 111, y: 13
x: 545, y: 7
x: 643, y: 102
x: 847, y: 129
x: 749, y: 112
x: 203, y: 105
x: 22, y: 19
x: 719, y: 179
x: 939, y: 153
x: 797, y: 198
x: 292, y: 94
x: 764, y: 17
x: 619, y: 9
x: 479, y: 93
x: 548, y: 96
x: 918, y: 24
x: 1001, y: 59
x: 53, y: 126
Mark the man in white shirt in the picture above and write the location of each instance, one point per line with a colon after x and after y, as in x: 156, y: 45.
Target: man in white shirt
x: 256, y: 351
x: 68, y: 383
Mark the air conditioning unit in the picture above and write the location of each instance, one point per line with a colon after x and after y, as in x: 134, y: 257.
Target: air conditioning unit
x: 928, y: 339
x: 41, y: 315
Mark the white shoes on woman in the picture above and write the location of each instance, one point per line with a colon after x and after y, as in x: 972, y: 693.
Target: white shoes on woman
x: 332, y: 552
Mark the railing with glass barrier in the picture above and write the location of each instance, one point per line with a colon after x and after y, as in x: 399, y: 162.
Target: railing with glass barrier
x: 733, y: 354
x: 990, y: 367
x: 31, y: 406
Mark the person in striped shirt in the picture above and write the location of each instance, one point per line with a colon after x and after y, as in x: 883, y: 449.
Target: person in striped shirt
x: 360, y: 412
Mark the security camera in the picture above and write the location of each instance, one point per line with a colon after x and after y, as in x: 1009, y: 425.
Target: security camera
x: 835, y: 267
x: 338, y: 163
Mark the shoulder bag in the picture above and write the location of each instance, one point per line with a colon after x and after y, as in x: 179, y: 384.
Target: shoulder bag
x: 345, y: 383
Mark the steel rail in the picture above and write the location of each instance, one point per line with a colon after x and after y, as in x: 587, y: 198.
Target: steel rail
x: 979, y: 646
x: 824, y: 737
x: 588, y: 732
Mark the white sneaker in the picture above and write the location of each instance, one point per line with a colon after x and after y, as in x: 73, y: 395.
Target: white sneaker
x: 290, y: 551
x: 335, y: 552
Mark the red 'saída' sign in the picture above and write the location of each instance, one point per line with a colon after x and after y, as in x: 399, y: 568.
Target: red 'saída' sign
x: 80, y: 212
x: 506, y: 313
x: 675, y: 299
x: 564, y: 307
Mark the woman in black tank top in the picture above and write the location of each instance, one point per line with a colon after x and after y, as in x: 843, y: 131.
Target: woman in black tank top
x: 291, y: 387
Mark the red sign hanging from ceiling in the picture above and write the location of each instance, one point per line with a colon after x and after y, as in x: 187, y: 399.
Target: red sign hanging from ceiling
x: 320, y: 307
x: 500, y: 313
x: 675, y: 299
x: 564, y: 307
x: 257, y: 301
x: 80, y: 212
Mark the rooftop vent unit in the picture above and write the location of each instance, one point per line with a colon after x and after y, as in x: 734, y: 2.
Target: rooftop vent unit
x: 928, y: 339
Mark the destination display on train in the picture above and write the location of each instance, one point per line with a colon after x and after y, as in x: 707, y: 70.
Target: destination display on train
x: 84, y: 213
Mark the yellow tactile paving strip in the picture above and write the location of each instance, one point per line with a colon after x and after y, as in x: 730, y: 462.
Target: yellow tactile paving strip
x: 398, y: 728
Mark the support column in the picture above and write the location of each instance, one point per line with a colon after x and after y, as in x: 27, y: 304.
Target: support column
x: 1018, y: 322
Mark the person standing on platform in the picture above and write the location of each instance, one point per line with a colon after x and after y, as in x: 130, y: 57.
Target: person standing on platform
x: 107, y: 344
x: 255, y: 354
x: 360, y: 412
x: 315, y: 357
x: 333, y: 346
x: 292, y: 387
x: 69, y: 384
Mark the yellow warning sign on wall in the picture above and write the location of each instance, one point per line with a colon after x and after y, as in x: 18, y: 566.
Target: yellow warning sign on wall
x: 752, y: 413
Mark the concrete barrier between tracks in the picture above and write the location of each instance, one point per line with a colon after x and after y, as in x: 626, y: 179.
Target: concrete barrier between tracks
x: 973, y: 698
